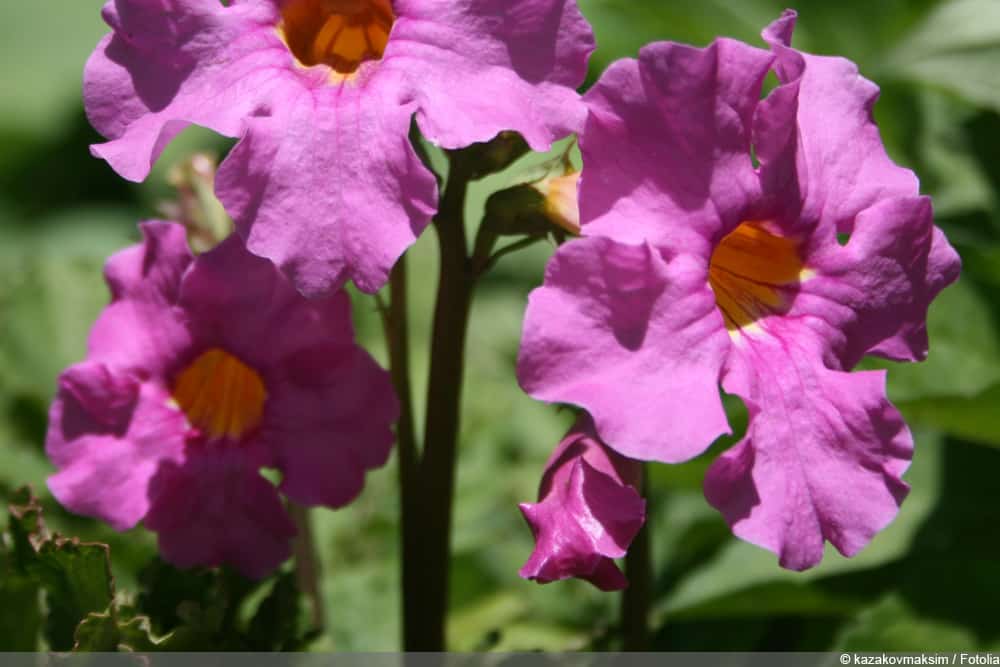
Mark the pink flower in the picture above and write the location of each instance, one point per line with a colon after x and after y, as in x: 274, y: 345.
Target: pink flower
x: 708, y: 270
x: 588, y: 512
x: 321, y: 93
x: 199, y: 373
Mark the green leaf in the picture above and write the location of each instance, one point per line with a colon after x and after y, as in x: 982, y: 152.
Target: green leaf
x: 956, y: 47
x: 77, y: 580
x: 278, y: 624
x: 718, y: 589
x: 891, y: 625
x: 97, y: 633
x: 976, y: 419
x: 75, y: 576
x: 20, y: 616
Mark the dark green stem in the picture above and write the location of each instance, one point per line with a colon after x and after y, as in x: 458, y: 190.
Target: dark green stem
x: 636, y: 598
x: 427, y: 568
x: 308, y: 570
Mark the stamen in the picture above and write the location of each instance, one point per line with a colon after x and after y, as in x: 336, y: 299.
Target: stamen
x: 752, y: 272
x: 220, y: 395
x: 340, y: 34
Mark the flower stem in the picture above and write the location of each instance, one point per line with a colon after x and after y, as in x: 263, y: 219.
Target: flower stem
x: 308, y: 570
x: 428, y: 506
x: 636, y: 598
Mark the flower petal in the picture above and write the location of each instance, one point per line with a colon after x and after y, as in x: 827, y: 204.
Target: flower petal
x: 214, y: 510
x: 636, y: 341
x: 330, y: 420
x: 668, y: 141
x: 169, y: 63
x: 478, y: 67
x: 822, y: 457
x: 822, y: 159
x: 108, y: 436
x: 875, y: 291
x: 330, y: 189
x: 259, y: 317
x: 140, y: 331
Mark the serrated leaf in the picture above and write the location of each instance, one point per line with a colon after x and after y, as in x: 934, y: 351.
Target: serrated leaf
x: 97, y: 633
x: 75, y: 576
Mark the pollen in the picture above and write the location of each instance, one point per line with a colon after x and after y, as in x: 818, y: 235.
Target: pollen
x: 752, y: 273
x: 220, y: 395
x: 340, y: 34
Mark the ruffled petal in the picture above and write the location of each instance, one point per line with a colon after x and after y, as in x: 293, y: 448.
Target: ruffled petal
x: 108, y: 436
x: 822, y: 458
x: 873, y: 293
x: 822, y: 159
x: 330, y: 421
x: 588, y: 512
x: 636, y: 341
x: 140, y: 331
x: 170, y: 63
x: 667, y: 145
x: 244, y: 304
x: 330, y: 189
x: 478, y: 67
x: 215, y: 510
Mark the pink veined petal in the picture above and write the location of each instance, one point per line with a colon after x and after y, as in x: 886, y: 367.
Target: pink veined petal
x: 330, y: 422
x: 171, y: 63
x: 108, y: 437
x: 822, y: 158
x: 477, y: 67
x: 246, y: 305
x: 822, y: 458
x: 330, y: 189
x: 140, y: 331
x: 636, y: 341
x: 213, y: 510
x: 667, y: 146
x: 872, y: 295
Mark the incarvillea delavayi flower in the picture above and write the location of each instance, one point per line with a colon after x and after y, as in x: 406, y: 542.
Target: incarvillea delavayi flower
x: 321, y: 94
x: 766, y: 245
x: 201, y: 372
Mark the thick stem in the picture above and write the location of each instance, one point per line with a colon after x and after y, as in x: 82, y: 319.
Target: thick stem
x: 636, y: 598
x: 308, y: 570
x: 426, y: 589
x: 398, y: 335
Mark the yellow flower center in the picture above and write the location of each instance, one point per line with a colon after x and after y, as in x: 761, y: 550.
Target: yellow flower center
x: 220, y: 395
x: 751, y: 272
x: 341, y: 34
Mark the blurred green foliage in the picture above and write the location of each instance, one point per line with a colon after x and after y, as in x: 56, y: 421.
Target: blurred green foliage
x: 931, y: 581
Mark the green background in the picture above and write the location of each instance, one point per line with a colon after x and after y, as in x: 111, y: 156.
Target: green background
x: 930, y: 581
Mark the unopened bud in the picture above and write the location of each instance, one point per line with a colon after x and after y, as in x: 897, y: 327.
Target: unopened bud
x: 560, y: 203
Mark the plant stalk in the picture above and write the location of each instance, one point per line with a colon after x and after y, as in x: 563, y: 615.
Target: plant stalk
x: 427, y: 551
x: 635, y: 602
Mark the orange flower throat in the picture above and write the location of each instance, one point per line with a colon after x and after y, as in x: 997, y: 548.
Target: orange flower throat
x: 341, y: 34
x: 752, y: 272
x: 220, y: 395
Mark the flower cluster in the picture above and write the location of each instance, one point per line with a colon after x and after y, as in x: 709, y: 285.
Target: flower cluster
x: 764, y: 243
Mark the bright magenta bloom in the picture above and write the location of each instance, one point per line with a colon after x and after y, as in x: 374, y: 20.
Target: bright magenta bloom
x: 199, y: 373
x: 321, y: 93
x: 587, y: 514
x: 703, y: 268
